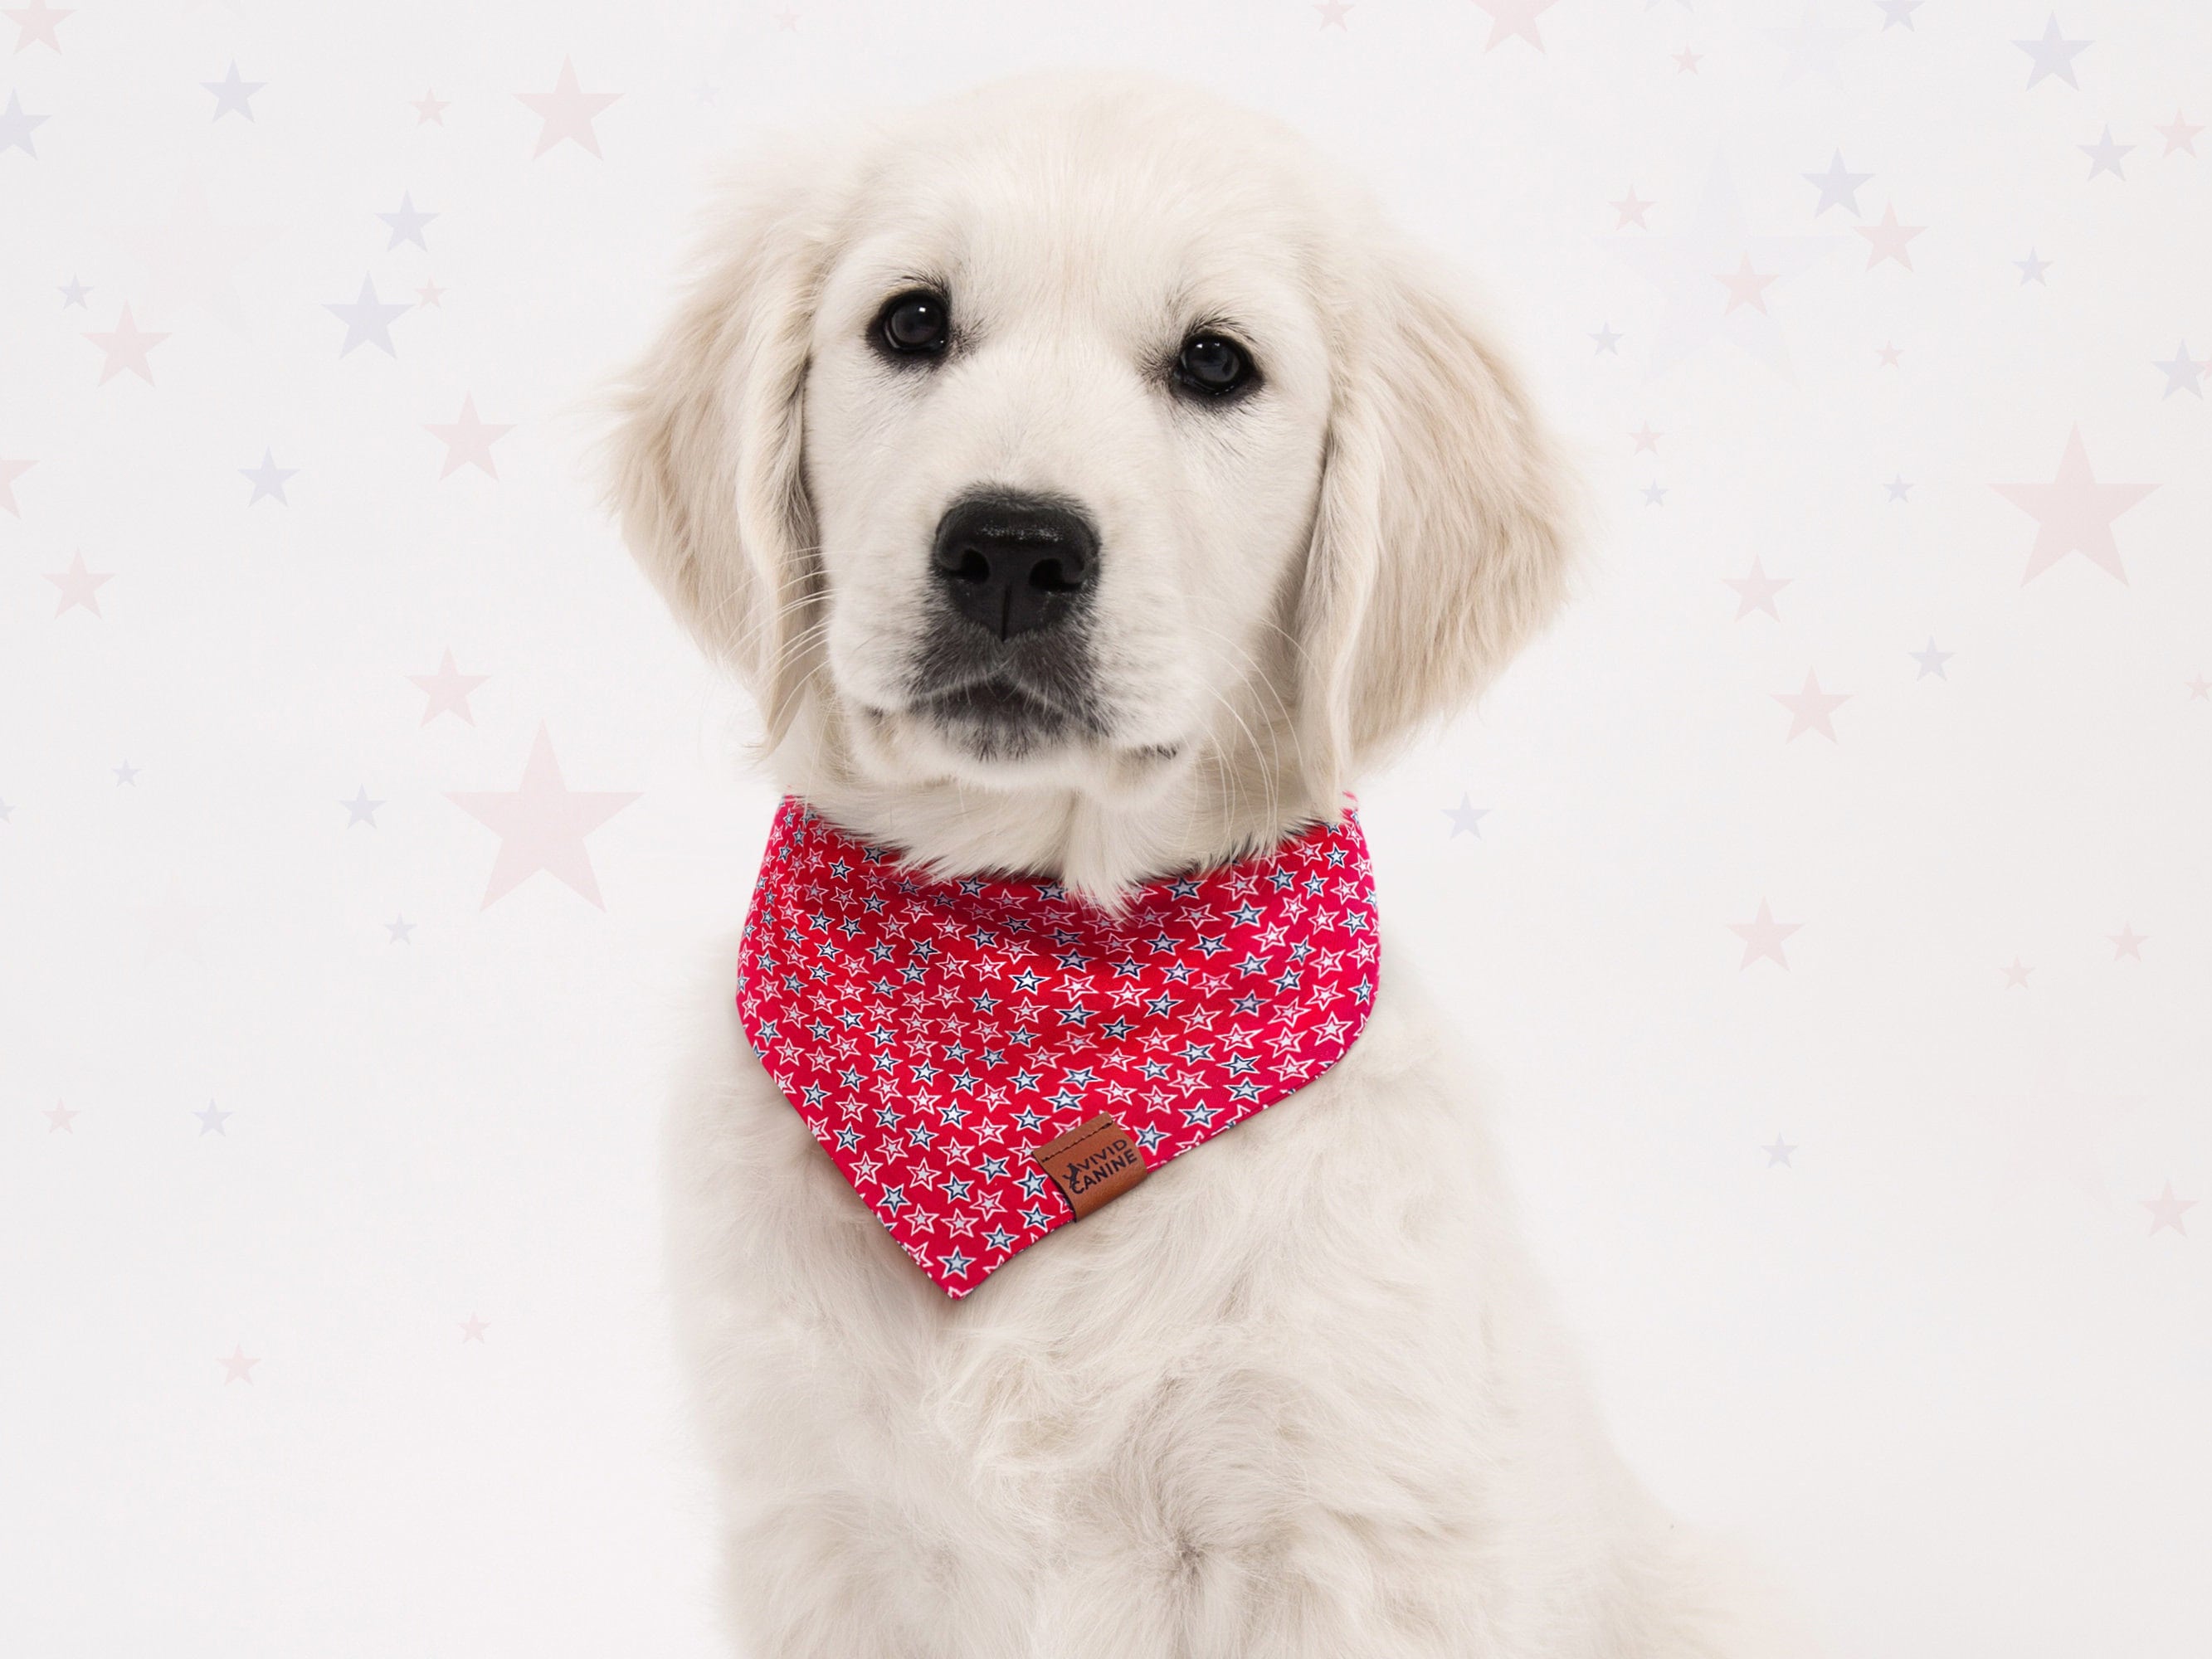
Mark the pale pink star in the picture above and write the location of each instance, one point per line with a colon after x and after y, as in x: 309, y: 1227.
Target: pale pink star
x: 473, y: 1328
x: 2127, y: 942
x: 1514, y: 19
x: 2016, y: 974
x: 468, y: 441
x: 238, y: 1367
x: 1756, y: 591
x: 1762, y: 936
x: 1333, y: 13
x: 1809, y: 708
x: 1889, y: 355
x: 568, y: 112
x: 61, y: 1117
x: 429, y: 294
x: 1686, y: 62
x: 1646, y: 439
x: 1887, y: 241
x: 542, y: 825
x: 37, y: 23
x: 1746, y: 287
x: 449, y: 689
x: 2074, y: 513
x: 2180, y: 136
x: 2200, y: 689
x: 78, y: 586
x: 2166, y: 1211
x: 430, y: 107
x: 126, y: 345
x: 1632, y: 210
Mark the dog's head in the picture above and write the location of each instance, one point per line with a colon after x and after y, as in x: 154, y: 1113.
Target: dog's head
x: 1082, y: 477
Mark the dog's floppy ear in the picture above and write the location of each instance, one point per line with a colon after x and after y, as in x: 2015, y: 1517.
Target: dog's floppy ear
x: 706, y: 455
x: 1442, y: 535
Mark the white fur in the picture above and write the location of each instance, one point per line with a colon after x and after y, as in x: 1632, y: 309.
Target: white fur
x: 1299, y: 1393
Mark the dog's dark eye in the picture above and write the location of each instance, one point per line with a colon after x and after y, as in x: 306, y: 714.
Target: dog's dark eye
x: 914, y: 325
x: 1212, y: 365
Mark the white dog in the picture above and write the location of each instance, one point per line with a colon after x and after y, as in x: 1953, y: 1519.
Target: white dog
x: 1298, y: 1394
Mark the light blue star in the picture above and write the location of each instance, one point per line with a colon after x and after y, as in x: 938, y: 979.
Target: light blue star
x: 2053, y: 54
x: 406, y: 223
x: 2104, y: 155
x: 267, y: 478
x: 1931, y: 661
x: 367, y: 319
x: 15, y: 127
x: 232, y: 94
x: 2183, y: 373
x: 1837, y: 186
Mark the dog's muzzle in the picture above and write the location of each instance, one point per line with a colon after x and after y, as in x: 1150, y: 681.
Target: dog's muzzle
x: 1007, y: 657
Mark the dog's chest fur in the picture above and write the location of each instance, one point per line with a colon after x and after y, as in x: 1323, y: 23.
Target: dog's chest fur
x: 1295, y: 1386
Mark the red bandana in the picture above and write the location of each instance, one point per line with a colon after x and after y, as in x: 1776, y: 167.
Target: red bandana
x: 988, y: 1060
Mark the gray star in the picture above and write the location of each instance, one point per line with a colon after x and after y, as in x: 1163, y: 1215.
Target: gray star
x: 124, y: 774
x: 1654, y: 495
x: 232, y: 94
x: 2032, y: 268
x: 1894, y: 12
x: 6, y: 812
x: 267, y: 478
x: 406, y: 223
x: 15, y: 127
x: 1468, y: 817
x: 74, y: 294
x: 361, y: 810
x: 368, y: 319
x: 2105, y: 154
x: 211, y: 1121
x: 2183, y: 373
x: 400, y: 929
x: 1898, y: 488
x: 1931, y: 661
x: 1606, y: 339
x: 1837, y: 186
x: 1778, y: 1153
x: 2053, y: 54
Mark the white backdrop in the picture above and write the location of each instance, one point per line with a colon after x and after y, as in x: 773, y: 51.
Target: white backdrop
x: 1827, y: 894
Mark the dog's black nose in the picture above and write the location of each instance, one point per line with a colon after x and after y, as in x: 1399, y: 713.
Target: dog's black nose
x: 1014, y: 563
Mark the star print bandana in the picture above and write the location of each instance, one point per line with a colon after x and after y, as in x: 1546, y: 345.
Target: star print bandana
x: 988, y: 1060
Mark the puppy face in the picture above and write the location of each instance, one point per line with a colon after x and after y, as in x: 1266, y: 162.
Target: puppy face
x: 1083, y: 476
x: 1064, y: 417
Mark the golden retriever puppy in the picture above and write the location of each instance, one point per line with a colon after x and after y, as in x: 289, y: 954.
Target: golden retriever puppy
x: 1089, y: 483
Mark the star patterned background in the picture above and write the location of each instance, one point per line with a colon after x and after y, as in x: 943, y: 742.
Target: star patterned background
x: 1825, y: 899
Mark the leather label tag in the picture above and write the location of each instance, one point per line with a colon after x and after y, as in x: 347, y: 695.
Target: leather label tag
x: 1093, y: 1162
